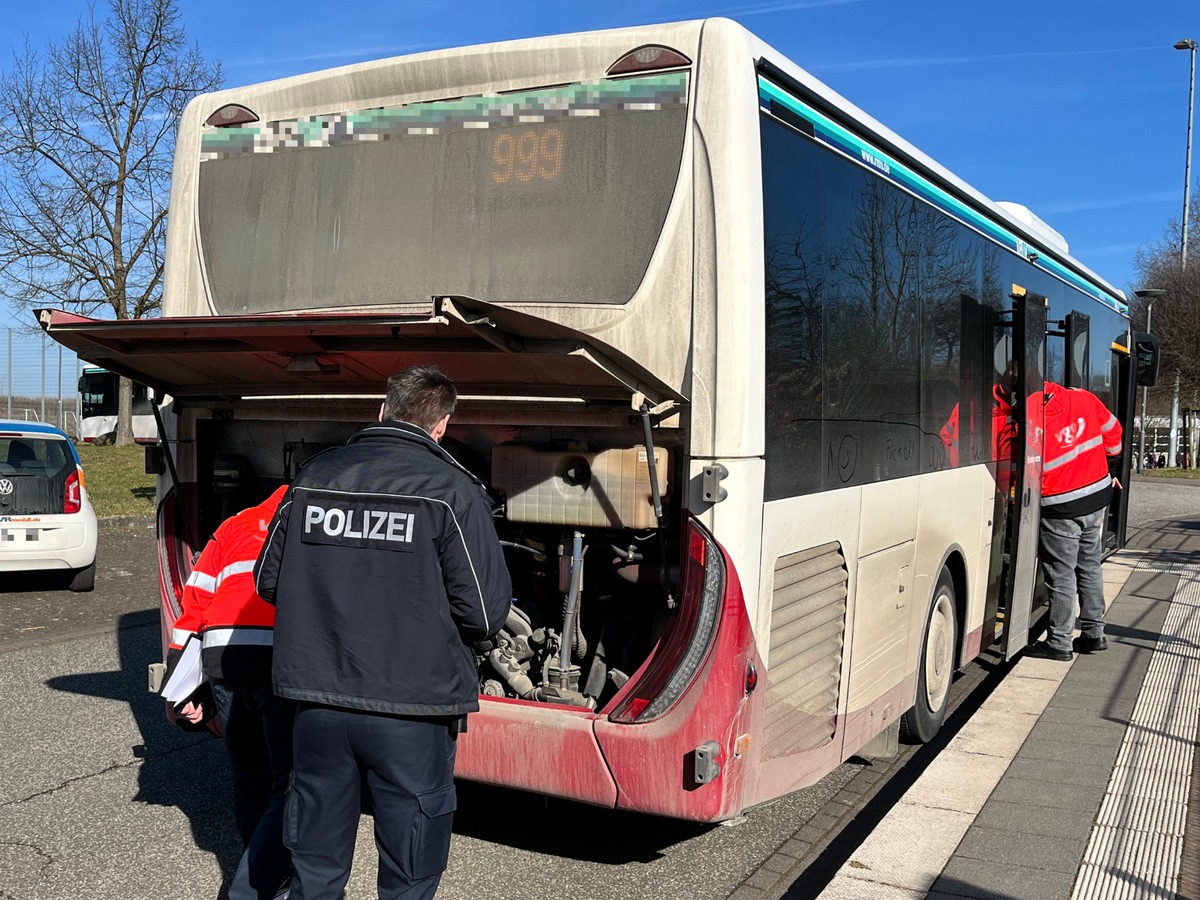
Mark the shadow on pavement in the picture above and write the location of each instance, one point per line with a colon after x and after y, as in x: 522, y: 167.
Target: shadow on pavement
x: 565, y: 828
x: 954, y: 887
x: 187, y: 771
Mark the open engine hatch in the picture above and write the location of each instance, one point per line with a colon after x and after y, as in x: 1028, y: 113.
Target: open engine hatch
x: 486, y: 349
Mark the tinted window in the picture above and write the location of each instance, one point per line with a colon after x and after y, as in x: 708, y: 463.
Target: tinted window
x: 98, y: 394
x: 956, y: 346
x: 843, y: 307
x: 1037, y: 281
x: 889, y: 350
x: 37, y: 468
x: 552, y: 195
x: 141, y: 401
x: 798, y: 269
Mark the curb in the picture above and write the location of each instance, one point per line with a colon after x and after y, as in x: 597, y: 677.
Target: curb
x: 126, y: 522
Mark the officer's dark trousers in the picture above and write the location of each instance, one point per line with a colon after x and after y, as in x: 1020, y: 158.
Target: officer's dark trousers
x: 409, y: 769
x: 258, y: 736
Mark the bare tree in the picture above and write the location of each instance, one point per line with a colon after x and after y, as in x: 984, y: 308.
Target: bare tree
x: 87, y: 134
x: 1176, y: 321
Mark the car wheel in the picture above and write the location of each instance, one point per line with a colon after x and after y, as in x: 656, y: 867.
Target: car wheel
x: 84, y: 579
x: 936, y: 668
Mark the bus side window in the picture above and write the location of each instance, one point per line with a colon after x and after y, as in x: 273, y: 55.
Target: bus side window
x: 141, y: 400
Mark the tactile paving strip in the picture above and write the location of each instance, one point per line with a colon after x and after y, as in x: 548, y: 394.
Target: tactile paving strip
x: 1136, y: 844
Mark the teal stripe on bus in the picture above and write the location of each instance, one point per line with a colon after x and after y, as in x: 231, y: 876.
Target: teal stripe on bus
x: 834, y: 134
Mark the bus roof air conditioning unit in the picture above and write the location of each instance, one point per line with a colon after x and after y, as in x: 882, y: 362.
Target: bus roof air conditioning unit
x: 1036, y: 227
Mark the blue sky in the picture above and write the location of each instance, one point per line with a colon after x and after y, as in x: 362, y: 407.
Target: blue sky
x: 1075, y: 108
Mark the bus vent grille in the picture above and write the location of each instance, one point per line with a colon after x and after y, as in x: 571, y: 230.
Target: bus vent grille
x: 808, y: 623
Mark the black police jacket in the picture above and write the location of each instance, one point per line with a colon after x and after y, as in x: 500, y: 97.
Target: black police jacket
x: 384, y: 565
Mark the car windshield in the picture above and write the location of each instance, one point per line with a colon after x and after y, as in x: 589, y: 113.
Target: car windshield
x: 33, y: 475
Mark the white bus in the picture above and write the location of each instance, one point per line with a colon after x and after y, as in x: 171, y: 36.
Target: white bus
x: 99, y: 393
x: 724, y: 341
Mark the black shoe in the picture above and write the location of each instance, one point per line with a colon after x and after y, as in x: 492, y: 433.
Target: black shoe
x: 1042, y: 650
x: 1090, y: 645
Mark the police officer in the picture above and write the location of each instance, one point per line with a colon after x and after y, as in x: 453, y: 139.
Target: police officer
x: 385, y: 566
x: 1080, y: 459
x: 234, y: 626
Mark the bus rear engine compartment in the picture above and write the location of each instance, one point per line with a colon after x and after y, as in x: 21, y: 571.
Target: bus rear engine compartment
x: 578, y: 523
x: 590, y: 572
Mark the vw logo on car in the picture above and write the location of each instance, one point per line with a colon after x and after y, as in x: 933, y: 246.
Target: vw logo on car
x: 6, y: 486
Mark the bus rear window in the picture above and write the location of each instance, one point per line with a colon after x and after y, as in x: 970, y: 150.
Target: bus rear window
x: 557, y: 194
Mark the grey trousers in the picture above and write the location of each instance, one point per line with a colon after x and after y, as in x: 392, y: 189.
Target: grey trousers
x: 1071, y: 560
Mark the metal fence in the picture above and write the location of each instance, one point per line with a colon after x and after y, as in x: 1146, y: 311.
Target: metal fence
x: 40, y: 380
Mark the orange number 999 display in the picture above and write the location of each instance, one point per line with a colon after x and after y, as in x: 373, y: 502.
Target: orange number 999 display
x: 527, y: 156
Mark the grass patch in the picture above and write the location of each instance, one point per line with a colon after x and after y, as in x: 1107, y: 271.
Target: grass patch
x: 1171, y: 473
x: 117, y: 481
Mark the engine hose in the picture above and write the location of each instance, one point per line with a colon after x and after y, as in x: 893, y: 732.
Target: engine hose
x: 572, y: 602
x: 629, y: 554
x: 578, y: 641
x: 524, y: 547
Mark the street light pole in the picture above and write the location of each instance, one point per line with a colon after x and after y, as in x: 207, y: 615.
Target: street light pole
x: 1149, y: 295
x: 1189, y: 45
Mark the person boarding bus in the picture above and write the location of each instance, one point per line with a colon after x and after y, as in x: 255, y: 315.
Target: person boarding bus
x: 1082, y: 454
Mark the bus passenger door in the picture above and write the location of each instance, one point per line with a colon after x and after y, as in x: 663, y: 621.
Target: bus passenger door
x: 1029, y: 349
x: 1123, y: 379
x: 1078, y: 333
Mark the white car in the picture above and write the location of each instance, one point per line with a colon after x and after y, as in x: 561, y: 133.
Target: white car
x: 46, y: 519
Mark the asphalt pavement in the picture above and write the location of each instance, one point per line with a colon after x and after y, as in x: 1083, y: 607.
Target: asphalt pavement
x: 101, y: 798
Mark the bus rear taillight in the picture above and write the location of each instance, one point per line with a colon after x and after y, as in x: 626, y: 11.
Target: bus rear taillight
x: 649, y: 58
x: 173, y: 552
x: 72, y: 493
x: 689, y: 636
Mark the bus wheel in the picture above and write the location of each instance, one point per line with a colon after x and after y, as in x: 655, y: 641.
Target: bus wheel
x: 922, y: 722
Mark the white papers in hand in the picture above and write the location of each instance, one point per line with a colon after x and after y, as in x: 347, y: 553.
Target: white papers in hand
x: 188, y: 674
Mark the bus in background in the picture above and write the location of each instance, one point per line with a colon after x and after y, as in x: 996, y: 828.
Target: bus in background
x: 745, y: 372
x: 98, y: 397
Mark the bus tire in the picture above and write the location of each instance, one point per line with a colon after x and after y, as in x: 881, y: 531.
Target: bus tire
x: 936, y: 669
x: 84, y: 579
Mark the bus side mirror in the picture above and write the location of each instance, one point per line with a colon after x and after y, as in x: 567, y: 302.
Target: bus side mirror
x: 1145, y: 354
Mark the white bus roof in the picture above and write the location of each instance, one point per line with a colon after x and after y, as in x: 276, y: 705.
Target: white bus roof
x: 564, y: 58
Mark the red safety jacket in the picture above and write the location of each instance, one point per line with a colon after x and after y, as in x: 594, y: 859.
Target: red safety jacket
x: 1081, y: 450
x: 220, y: 605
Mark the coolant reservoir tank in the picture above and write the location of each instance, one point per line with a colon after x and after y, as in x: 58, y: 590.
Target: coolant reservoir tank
x: 601, y: 489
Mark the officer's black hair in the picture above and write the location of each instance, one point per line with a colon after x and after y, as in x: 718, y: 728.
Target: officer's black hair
x: 421, y: 395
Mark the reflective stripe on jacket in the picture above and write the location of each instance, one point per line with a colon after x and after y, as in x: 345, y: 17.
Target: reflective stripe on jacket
x: 235, y: 625
x: 1081, y: 437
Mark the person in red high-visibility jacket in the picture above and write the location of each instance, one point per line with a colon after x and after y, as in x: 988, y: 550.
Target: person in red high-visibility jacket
x: 236, y: 630
x: 1080, y: 458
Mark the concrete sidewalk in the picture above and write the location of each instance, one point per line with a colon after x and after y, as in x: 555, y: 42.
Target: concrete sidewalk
x: 1072, y: 780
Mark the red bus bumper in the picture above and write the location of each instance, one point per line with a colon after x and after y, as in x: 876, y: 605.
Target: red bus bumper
x: 643, y: 767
